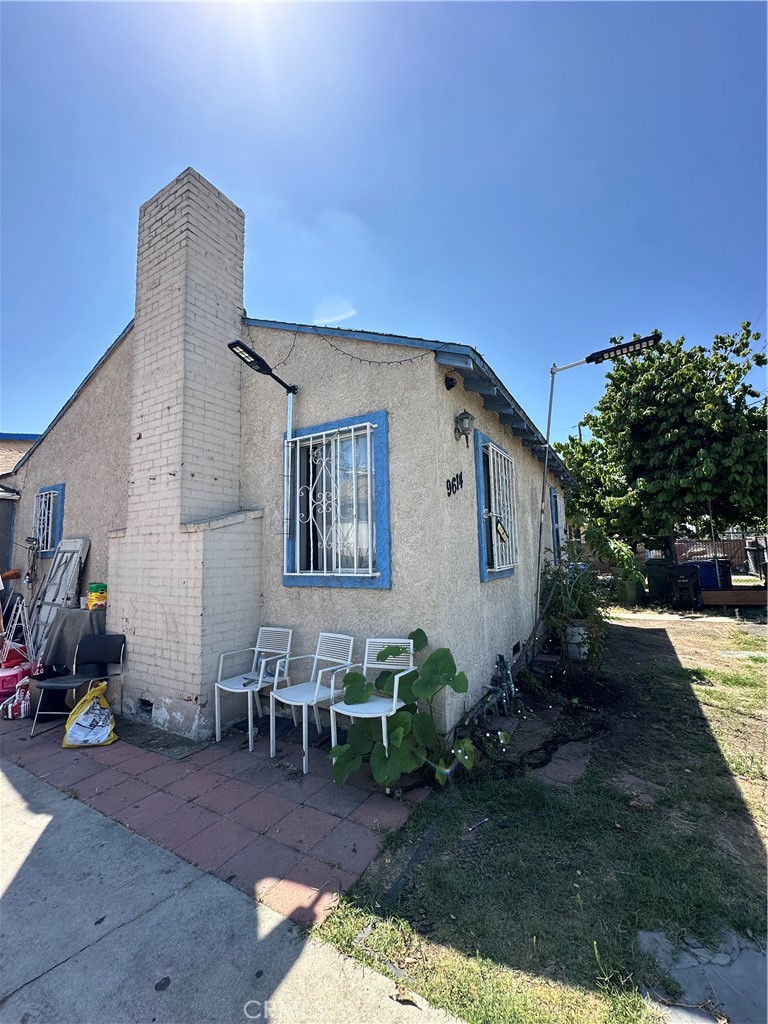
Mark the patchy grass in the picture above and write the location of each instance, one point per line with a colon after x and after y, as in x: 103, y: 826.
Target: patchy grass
x: 741, y: 640
x: 533, y: 916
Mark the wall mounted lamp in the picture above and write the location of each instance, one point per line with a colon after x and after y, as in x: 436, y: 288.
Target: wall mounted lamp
x: 463, y: 427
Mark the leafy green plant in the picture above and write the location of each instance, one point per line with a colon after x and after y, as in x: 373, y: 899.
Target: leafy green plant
x: 617, y: 552
x: 414, y: 740
x: 571, y: 594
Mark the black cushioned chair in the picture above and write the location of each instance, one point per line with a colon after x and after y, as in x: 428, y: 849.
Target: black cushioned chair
x: 98, y: 657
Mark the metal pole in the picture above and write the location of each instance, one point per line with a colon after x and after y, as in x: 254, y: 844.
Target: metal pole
x: 714, y: 547
x: 552, y: 372
x: 286, y: 481
x: 595, y: 357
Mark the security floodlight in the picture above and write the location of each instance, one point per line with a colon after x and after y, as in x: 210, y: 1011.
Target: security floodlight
x: 628, y: 348
x: 255, y: 361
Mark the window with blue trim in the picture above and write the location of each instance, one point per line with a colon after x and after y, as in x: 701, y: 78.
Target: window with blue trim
x: 49, y: 518
x: 496, y: 509
x: 336, y: 504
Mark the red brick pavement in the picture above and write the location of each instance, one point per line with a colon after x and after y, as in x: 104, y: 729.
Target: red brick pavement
x: 292, y: 841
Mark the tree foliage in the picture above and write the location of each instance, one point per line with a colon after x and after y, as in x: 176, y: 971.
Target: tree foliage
x: 679, y: 436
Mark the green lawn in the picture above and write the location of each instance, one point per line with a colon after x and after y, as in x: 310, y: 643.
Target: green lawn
x: 533, y: 916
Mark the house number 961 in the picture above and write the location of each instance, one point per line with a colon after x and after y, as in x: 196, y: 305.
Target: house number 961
x: 454, y: 484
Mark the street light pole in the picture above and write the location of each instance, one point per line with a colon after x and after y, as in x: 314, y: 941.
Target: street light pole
x: 626, y: 349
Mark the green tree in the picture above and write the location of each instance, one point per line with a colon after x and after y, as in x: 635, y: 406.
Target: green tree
x: 678, y: 441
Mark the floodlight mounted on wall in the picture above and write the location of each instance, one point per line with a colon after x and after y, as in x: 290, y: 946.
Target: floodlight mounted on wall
x: 255, y: 361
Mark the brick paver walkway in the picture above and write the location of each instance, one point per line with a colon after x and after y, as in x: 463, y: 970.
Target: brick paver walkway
x: 292, y: 841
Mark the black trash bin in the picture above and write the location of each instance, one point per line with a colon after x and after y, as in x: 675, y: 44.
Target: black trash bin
x: 659, y: 585
x: 686, y: 589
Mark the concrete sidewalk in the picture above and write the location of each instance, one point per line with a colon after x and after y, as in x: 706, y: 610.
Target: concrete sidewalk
x: 100, y: 926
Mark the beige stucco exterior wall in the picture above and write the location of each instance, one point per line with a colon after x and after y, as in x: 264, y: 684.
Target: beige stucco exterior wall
x: 435, y: 561
x: 87, y: 451
x: 487, y: 618
x: 11, y: 450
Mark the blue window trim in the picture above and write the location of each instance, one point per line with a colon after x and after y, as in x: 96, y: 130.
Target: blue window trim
x: 380, y: 446
x: 486, y: 574
x: 58, y: 526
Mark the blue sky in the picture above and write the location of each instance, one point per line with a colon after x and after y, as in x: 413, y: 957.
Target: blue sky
x: 529, y: 179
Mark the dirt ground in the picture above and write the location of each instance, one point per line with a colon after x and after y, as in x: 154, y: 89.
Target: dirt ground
x: 676, y: 639
x: 646, y: 641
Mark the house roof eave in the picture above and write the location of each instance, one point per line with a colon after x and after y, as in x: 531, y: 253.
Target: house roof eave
x: 476, y: 374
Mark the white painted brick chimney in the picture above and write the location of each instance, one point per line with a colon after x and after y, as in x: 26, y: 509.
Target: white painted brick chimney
x: 184, y: 459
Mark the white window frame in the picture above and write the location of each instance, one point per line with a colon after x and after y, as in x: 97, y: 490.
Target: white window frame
x: 315, y: 508
x: 46, y: 516
x: 501, y: 508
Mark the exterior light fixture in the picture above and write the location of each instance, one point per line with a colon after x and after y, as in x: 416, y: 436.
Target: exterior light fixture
x: 628, y: 348
x: 463, y: 427
x: 254, y: 360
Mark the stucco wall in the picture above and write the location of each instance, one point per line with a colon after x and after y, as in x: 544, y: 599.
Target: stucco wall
x: 484, y: 619
x: 435, y: 563
x: 333, y: 386
x: 87, y: 451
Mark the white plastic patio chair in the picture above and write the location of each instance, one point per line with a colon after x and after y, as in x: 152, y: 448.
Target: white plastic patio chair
x: 381, y: 706
x: 334, y: 651
x: 273, y: 647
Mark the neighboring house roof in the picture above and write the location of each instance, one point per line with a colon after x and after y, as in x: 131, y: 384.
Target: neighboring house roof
x: 125, y: 331
x: 18, y: 437
x: 477, y: 375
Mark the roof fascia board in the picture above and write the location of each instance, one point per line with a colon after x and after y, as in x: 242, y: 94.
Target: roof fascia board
x: 125, y: 331
x: 343, y: 332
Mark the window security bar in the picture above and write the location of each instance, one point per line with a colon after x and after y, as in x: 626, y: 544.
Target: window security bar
x: 502, y: 501
x: 45, y: 505
x: 329, y: 503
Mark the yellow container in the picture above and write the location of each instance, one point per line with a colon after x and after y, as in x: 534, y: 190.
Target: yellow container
x: 97, y: 596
